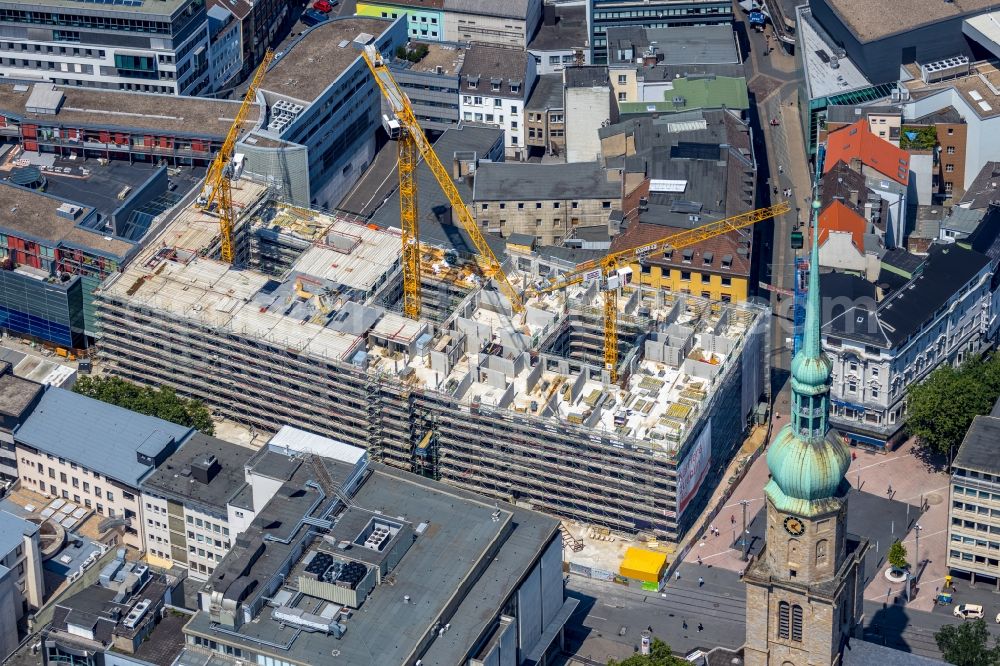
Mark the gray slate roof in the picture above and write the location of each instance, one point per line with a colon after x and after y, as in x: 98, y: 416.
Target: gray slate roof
x: 863, y: 653
x: 98, y: 435
x: 503, y: 8
x: 569, y: 30
x: 543, y: 182
x: 495, y: 63
x: 588, y: 76
x: 12, y: 529
x: 548, y: 93
x: 979, y: 448
x: 985, y: 188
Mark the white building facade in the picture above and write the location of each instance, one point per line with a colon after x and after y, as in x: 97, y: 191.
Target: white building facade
x: 495, y: 85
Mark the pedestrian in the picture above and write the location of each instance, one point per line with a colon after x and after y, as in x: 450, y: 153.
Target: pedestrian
x: 781, y: 169
x: 700, y: 626
x: 889, y: 491
x: 677, y: 575
x: 775, y: 190
x: 732, y: 519
x: 701, y: 581
x: 699, y: 560
x: 854, y: 455
x: 684, y: 624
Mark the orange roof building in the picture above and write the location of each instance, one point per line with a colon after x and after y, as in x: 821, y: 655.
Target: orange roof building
x: 856, y: 142
x: 838, y: 217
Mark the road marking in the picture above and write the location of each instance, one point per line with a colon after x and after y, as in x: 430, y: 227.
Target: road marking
x: 598, y: 617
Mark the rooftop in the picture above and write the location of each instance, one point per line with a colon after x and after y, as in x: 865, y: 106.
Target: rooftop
x: 446, y: 535
x: 113, y: 109
x: 512, y: 182
x: 50, y: 221
x: 16, y: 394
x: 495, y: 70
x: 158, y: 8
x: 676, y: 45
x: 311, y: 63
x: 183, y: 475
x: 515, y: 9
x: 844, y: 184
x: 979, y: 89
x: 587, y: 76
x: 901, y: 314
x: 844, y: 113
x: 12, y: 530
x: 863, y: 653
x: 984, y: 189
x: 818, y: 53
x: 567, y: 31
x: 548, y: 93
x: 856, y: 142
x: 100, y: 436
x: 724, y: 254
x: 449, y: 57
x: 979, y: 447
x: 839, y: 218
x: 869, y: 22
x: 700, y: 92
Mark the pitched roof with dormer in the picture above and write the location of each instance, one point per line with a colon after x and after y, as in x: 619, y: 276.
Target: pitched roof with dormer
x: 856, y: 142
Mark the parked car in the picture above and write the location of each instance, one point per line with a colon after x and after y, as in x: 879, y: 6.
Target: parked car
x: 311, y: 17
x: 324, y: 6
x: 968, y: 611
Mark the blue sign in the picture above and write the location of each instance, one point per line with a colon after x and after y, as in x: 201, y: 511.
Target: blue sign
x: 757, y: 17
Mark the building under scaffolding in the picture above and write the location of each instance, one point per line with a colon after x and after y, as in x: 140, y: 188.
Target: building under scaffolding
x: 514, y: 406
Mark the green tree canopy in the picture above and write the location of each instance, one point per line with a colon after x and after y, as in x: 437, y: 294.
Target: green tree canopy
x: 163, y: 403
x: 925, y: 138
x: 967, y: 644
x: 897, y: 555
x: 660, y: 654
x: 941, y: 408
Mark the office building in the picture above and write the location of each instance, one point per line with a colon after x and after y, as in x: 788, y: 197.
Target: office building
x: 432, y: 84
x: 225, y: 48
x: 159, y: 47
x: 260, y: 25
x: 608, y: 14
x: 379, y: 567
x: 316, y: 342
x: 562, y: 39
x: 936, y: 313
x: 546, y: 201
x: 511, y: 23
x: 496, y: 84
x: 93, y: 454
x: 973, y: 527
x: 323, y: 108
x: 195, y: 504
x: 18, y: 397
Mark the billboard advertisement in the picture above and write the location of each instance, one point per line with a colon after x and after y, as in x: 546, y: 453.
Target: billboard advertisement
x: 692, y: 470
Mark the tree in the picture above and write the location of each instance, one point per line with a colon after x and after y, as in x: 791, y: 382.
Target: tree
x: 967, y: 644
x: 660, y: 654
x: 897, y: 555
x: 923, y: 138
x: 941, y: 408
x: 163, y: 403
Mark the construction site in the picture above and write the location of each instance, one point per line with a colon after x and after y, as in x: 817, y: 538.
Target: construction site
x: 306, y: 329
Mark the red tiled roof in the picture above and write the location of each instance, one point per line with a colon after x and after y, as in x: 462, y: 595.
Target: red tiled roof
x: 838, y: 217
x: 857, y: 142
x: 642, y: 233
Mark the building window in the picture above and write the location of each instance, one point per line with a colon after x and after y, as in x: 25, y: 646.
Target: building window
x: 950, y: 150
x: 727, y: 281
x: 622, y: 97
x: 622, y: 79
x: 497, y: 103
x: 685, y: 276
x: 797, y: 623
x: 951, y: 131
x: 496, y: 86
x: 784, y: 616
x: 852, y: 387
x: 948, y: 186
x: 949, y: 168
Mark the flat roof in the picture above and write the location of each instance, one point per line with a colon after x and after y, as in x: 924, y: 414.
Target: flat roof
x: 157, y: 7
x: 317, y: 58
x: 568, y: 32
x: 979, y: 447
x: 870, y: 20
x: 12, y: 529
x: 449, y: 57
x: 174, y: 477
x: 978, y: 89
x: 818, y: 49
x: 126, y: 110
x: 16, y: 394
x: 97, y: 435
x: 678, y: 45
x: 516, y: 181
x: 32, y: 214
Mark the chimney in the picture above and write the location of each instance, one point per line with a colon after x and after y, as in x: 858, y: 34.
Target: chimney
x: 854, y: 198
x: 549, y: 14
x: 856, y: 164
x: 456, y: 167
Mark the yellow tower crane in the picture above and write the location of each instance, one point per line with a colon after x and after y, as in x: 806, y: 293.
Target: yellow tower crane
x: 218, y: 181
x: 611, y: 272
x: 403, y: 126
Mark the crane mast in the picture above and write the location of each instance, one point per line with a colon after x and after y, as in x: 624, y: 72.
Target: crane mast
x: 218, y: 181
x: 412, y: 142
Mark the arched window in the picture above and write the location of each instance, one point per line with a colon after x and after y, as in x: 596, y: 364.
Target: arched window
x: 821, y: 551
x: 797, y: 623
x: 793, y: 551
x: 783, y: 619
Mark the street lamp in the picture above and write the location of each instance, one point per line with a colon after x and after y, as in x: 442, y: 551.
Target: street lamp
x: 916, y: 555
x: 746, y: 544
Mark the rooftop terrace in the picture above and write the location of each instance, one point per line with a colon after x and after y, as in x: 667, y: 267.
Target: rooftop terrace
x: 979, y: 88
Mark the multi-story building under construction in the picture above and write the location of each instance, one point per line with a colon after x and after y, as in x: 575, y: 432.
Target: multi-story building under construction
x: 517, y: 406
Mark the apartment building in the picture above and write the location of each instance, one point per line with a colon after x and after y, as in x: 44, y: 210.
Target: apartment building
x: 424, y: 18
x: 261, y: 24
x: 974, y: 516
x: 159, y: 47
x: 562, y: 39
x: 590, y: 105
x: 94, y: 454
x: 938, y: 312
x: 432, y: 83
x: 546, y: 201
x: 512, y: 23
x: 225, y: 50
x: 323, y: 108
x: 188, y: 502
x: 546, y: 117
x: 608, y: 14
x: 496, y: 84
x: 22, y: 588
x: 18, y: 397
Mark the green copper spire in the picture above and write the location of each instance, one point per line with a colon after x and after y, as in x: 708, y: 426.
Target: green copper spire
x: 806, y: 460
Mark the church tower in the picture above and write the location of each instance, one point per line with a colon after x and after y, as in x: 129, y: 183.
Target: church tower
x: 804, y: 589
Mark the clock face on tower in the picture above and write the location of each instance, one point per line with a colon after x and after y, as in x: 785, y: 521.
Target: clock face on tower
x: 794, y: 526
